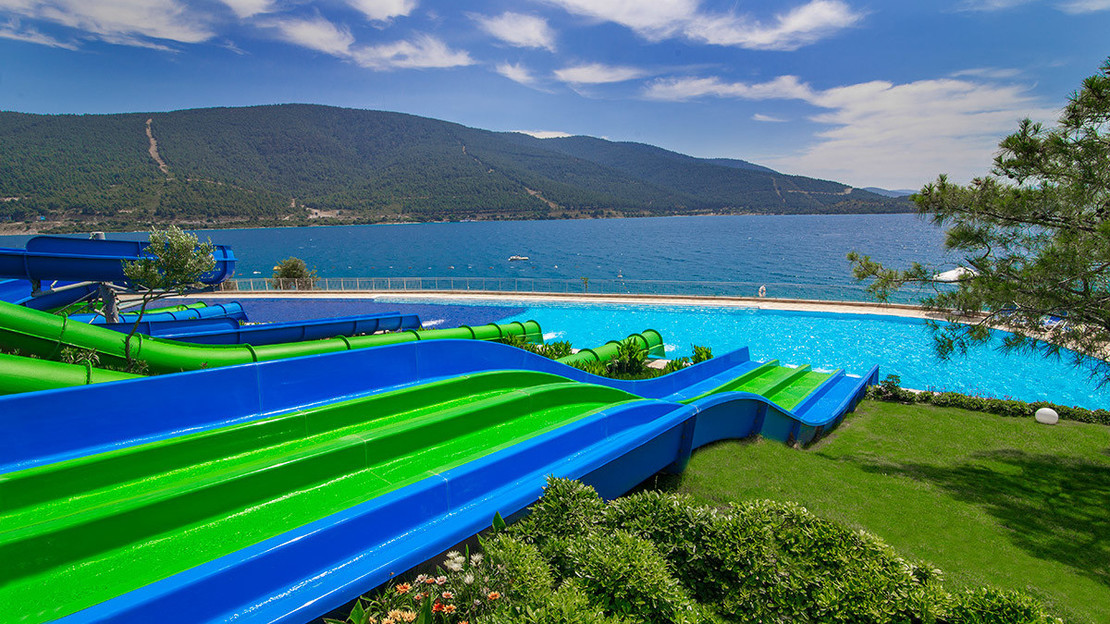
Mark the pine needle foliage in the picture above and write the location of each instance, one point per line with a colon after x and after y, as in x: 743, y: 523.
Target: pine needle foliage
x: 1034, y: 238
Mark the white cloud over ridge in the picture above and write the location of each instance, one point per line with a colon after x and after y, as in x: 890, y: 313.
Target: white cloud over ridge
x: 598, y: 73
x: 421, y: 52
x: 315, y: 33
x: 663, y: 19
x: 518, y: 29
x: 546, y: 134
x: 885, y: 134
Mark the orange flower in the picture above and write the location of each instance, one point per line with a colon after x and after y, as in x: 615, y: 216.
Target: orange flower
x: 403, y: 588
x: 437, y: 607
x: 449, y: 608
x: 493, y: 595
x: 447, y: 595
x: 430, y: 581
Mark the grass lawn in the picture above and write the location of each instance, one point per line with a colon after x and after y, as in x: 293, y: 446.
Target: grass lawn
x: 989, y: 500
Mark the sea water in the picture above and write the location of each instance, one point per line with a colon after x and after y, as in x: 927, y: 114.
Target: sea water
x: 759, y: 249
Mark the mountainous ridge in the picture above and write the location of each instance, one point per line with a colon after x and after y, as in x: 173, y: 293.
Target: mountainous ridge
x: 296, y: 163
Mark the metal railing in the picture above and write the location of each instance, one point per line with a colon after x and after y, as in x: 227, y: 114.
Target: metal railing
x: 830, y: 292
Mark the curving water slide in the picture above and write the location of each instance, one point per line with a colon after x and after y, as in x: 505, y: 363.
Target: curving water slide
x: 46, y: 335
x: 81, y: 259
x: 304, y: 482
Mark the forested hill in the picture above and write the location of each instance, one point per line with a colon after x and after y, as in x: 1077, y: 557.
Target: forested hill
x: 299, y: 163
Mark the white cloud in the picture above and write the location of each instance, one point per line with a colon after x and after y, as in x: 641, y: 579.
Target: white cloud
x: 884, y: 134
x: 681, y: 89
x: 767, y: 118
x: 13, y: 30
x: 126, y: 22
x: 545, y: 134
x: 1085, y: 6
x: 654, y: 19
x: 517, y: 73
x: 993, y: 5
x: 990, y: 73
x: 524, y: 31
x: 380, y: 10
x: 597, y: 73
x: 315, y: 33
x: 663, y: 19
x: 1067, y: 6
x: 249, y: 8
x: 422, y: 52
x: 802, y: 26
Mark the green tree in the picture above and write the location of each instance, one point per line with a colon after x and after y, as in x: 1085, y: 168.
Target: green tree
x: 172, y: 264
x: 1033, y: 238
x: 293, y: 274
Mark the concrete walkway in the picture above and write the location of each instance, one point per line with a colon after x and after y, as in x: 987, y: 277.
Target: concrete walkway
x: 803, y: 305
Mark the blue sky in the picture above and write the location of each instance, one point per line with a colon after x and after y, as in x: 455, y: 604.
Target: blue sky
x: 872, y: 93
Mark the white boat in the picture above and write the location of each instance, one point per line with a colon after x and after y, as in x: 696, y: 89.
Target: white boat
x: 515, y: 258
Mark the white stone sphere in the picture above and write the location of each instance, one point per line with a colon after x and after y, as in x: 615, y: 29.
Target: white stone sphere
x: 1047, y: 416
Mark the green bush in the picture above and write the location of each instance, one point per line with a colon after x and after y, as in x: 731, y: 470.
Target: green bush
x: 890, y: 390
x: 996, y: 606
x: 654, y: 557
x: 570, y: 604
x: 519, y: 568
x: 676, y: 364
x: 592, y: 367
x: 293, y: 274
x: 702, y: 354
x: 627, y: 577
x: 554, y: 350
x: 629, y: 360
x: 678, y: 528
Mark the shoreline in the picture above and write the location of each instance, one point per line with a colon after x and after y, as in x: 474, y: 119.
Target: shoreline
x: 787, y: 305
x: 46, y: 227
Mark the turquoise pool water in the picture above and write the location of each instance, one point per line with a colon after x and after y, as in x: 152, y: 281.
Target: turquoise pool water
x: 853, y: 342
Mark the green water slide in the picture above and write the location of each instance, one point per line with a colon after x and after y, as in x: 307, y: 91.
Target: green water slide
x: 21, y: 374
x: 649, y: 340
x: 45, y: 335
x: 785, y: 385
x: 78, y: 532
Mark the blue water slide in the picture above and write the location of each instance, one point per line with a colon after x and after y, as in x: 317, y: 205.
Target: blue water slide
x: 298, y: 331
x: 83, y: 259
x: 181, y: 327
x: 295, y: 576
x: 232, y: 310
x: 259, y: 390
x: 53, y: 294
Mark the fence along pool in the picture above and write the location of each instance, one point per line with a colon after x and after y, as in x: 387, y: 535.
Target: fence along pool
x: 821, y: 292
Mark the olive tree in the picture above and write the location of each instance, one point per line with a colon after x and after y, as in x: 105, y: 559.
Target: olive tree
x: 172, y: 264
x: 293, y: 274
x: 1033, y: 239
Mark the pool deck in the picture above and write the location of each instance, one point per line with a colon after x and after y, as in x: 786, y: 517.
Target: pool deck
x: 799, y: 305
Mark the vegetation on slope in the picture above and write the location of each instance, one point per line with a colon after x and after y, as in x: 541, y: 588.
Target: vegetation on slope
x: 296, y: 164
x: 990, y: 500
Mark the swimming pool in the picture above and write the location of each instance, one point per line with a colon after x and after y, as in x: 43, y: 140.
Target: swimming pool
x: 854, y: 342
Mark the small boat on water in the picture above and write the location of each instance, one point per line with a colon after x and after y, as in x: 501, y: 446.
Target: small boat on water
x: 516, y: 258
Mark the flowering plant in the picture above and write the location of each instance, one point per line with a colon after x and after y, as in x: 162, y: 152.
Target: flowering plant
x: 462, y: 590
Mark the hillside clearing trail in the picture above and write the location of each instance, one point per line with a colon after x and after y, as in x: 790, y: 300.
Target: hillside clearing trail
x: 153, y: 149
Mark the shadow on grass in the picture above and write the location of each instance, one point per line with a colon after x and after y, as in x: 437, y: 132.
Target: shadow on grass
x: 1055, y: 507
